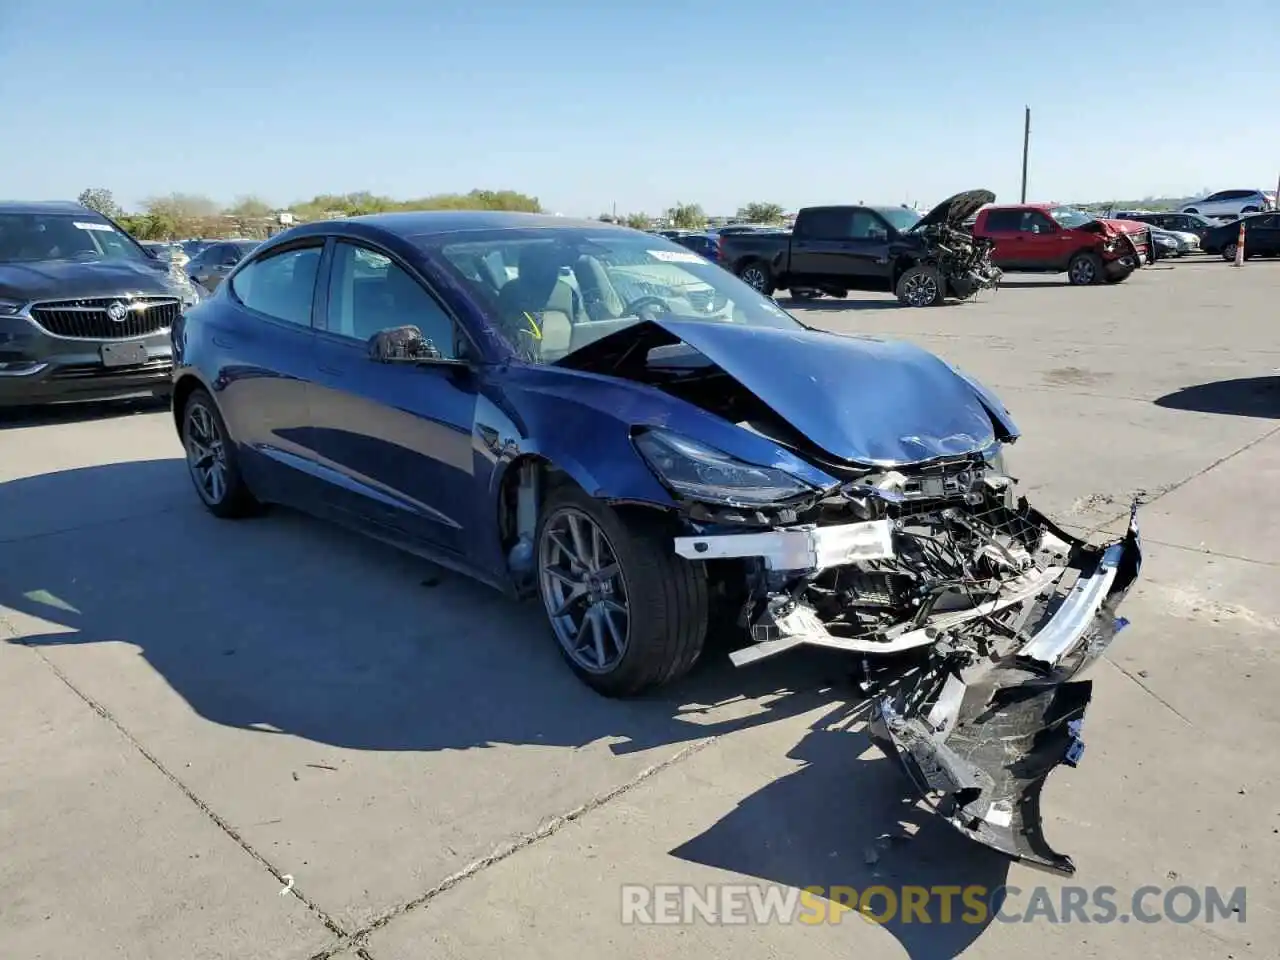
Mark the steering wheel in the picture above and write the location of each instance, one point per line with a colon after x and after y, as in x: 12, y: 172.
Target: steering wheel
x: 655, y: 304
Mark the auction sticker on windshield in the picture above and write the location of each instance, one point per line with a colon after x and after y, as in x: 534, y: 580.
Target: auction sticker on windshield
x: 104, y: 227
x: 675, y: 256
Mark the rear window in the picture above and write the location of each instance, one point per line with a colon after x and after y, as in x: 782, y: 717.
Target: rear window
x: 1004, y: 221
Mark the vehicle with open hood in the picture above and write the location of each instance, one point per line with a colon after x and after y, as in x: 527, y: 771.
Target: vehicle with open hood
x: 833, y: 250
x: 602, y: 420
x: 1052, y: 238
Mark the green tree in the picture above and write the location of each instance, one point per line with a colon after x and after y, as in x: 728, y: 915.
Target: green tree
x: 761, y: 213
x: 687, y: 216
x: 100, y: 199
x: 248, y: 207
x: 639, y: 221
x: 182, y: 215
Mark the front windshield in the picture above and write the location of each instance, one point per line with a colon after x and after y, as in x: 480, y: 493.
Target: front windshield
x: 1070, y: 217
x: 33, y: 237
x: 901, y: 218
x: 553, y: 291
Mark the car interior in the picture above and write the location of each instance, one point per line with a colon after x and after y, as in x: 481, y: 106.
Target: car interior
x: 554, y: 300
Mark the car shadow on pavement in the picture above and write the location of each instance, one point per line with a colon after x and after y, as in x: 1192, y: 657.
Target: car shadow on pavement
x: 285, y: 623
x: 851, y: 827
x: 1243, y: 397
x: 11, y: 418
x: 1032, y: 284
x: 828, y: 303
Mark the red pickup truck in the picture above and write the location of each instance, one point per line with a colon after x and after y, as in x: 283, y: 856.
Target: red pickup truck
x: 1049, y: 238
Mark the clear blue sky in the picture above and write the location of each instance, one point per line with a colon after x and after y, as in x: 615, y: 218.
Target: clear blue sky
x: 588, y: 103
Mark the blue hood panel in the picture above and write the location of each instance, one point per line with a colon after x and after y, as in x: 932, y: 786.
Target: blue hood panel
x: 857, y: 398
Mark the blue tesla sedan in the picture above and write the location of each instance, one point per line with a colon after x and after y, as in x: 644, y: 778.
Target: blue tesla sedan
x: 604, y: 420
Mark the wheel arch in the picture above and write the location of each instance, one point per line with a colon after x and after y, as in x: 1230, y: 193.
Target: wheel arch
x: 521, y: 489
x: 186, y: 384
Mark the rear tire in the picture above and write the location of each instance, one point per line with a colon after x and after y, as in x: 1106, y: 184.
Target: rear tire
x: 1229, y: 252
x: 211, y: 459
x: 921, y: 285
x: 1085, y: 269
x: 758, y: 277
x: 664, y: 595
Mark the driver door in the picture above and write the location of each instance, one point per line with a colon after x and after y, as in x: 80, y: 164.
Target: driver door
x: 396, y: 438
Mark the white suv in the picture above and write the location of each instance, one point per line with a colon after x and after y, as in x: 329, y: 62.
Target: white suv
x: 1231, y: 203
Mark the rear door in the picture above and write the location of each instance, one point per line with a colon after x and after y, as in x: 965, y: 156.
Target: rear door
x: 845, y: 247
x: 1262, y: 235
x: 1004, y: 229
x: 395, y: 439
x: 267, y: 363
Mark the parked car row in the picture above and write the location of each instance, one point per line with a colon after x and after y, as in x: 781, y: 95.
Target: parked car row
x: 962, y: 246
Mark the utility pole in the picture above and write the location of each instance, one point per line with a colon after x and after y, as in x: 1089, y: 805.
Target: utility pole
x: 1026, y: 143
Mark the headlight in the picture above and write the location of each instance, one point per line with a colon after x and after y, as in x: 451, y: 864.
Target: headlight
x: 9, y: 307
x: 699, y: 472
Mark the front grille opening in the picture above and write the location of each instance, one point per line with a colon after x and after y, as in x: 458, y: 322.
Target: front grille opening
x: 89, y: 319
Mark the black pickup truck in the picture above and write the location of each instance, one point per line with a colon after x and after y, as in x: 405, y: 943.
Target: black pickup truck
x: 833, y: 250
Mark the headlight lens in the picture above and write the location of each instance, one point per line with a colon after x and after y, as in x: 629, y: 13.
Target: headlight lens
x: 700, y: 472
x: 9, y: 307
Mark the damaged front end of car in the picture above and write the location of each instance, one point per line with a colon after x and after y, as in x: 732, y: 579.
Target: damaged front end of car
x: 866, y: 507
x: 977, y: 608
x: 964, y: 260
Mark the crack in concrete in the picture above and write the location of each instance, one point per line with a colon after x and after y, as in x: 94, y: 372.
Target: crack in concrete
x: 1193, y: 476
x: 1149, y: 692
x: 359, y: 938
x: 90, y: 525
x: 330, y: 924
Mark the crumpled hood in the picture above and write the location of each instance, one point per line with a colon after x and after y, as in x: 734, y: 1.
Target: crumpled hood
x: 73, y: 279
x: 1124, y: 226
x: 859, y: 399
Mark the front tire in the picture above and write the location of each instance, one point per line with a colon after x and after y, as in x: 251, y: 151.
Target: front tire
x: 921, y: 285
x: 1085, y: 269
x: 1229, y: 252
x: 211, y: 459
x: 627, y: 613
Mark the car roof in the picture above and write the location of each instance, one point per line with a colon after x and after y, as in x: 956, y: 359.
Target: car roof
x: 45, y: 206
x: 436, y: 222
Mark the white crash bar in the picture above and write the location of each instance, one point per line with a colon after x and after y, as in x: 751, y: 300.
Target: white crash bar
x: 796, y: 548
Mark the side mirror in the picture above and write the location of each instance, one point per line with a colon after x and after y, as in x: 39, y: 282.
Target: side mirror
x: 402, y: 345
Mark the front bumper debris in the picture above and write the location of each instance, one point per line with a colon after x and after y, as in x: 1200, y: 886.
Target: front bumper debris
x: 979, y: 743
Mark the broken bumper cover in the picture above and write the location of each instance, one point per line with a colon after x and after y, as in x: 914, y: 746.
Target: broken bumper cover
x: 980, y: 747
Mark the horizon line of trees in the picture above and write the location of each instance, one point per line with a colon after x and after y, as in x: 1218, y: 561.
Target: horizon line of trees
x: 179, y: 215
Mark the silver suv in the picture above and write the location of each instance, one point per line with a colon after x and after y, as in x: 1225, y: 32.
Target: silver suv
x: 1231, y: 203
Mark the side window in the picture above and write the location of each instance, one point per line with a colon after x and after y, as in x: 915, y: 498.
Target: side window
x: 826, y: 224
x: 281, y: 286
x: 865, y: 225
x: 1004, y: 221
x: 1220, y: 195
x: 368, y: 293
x: 1033, y: 221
